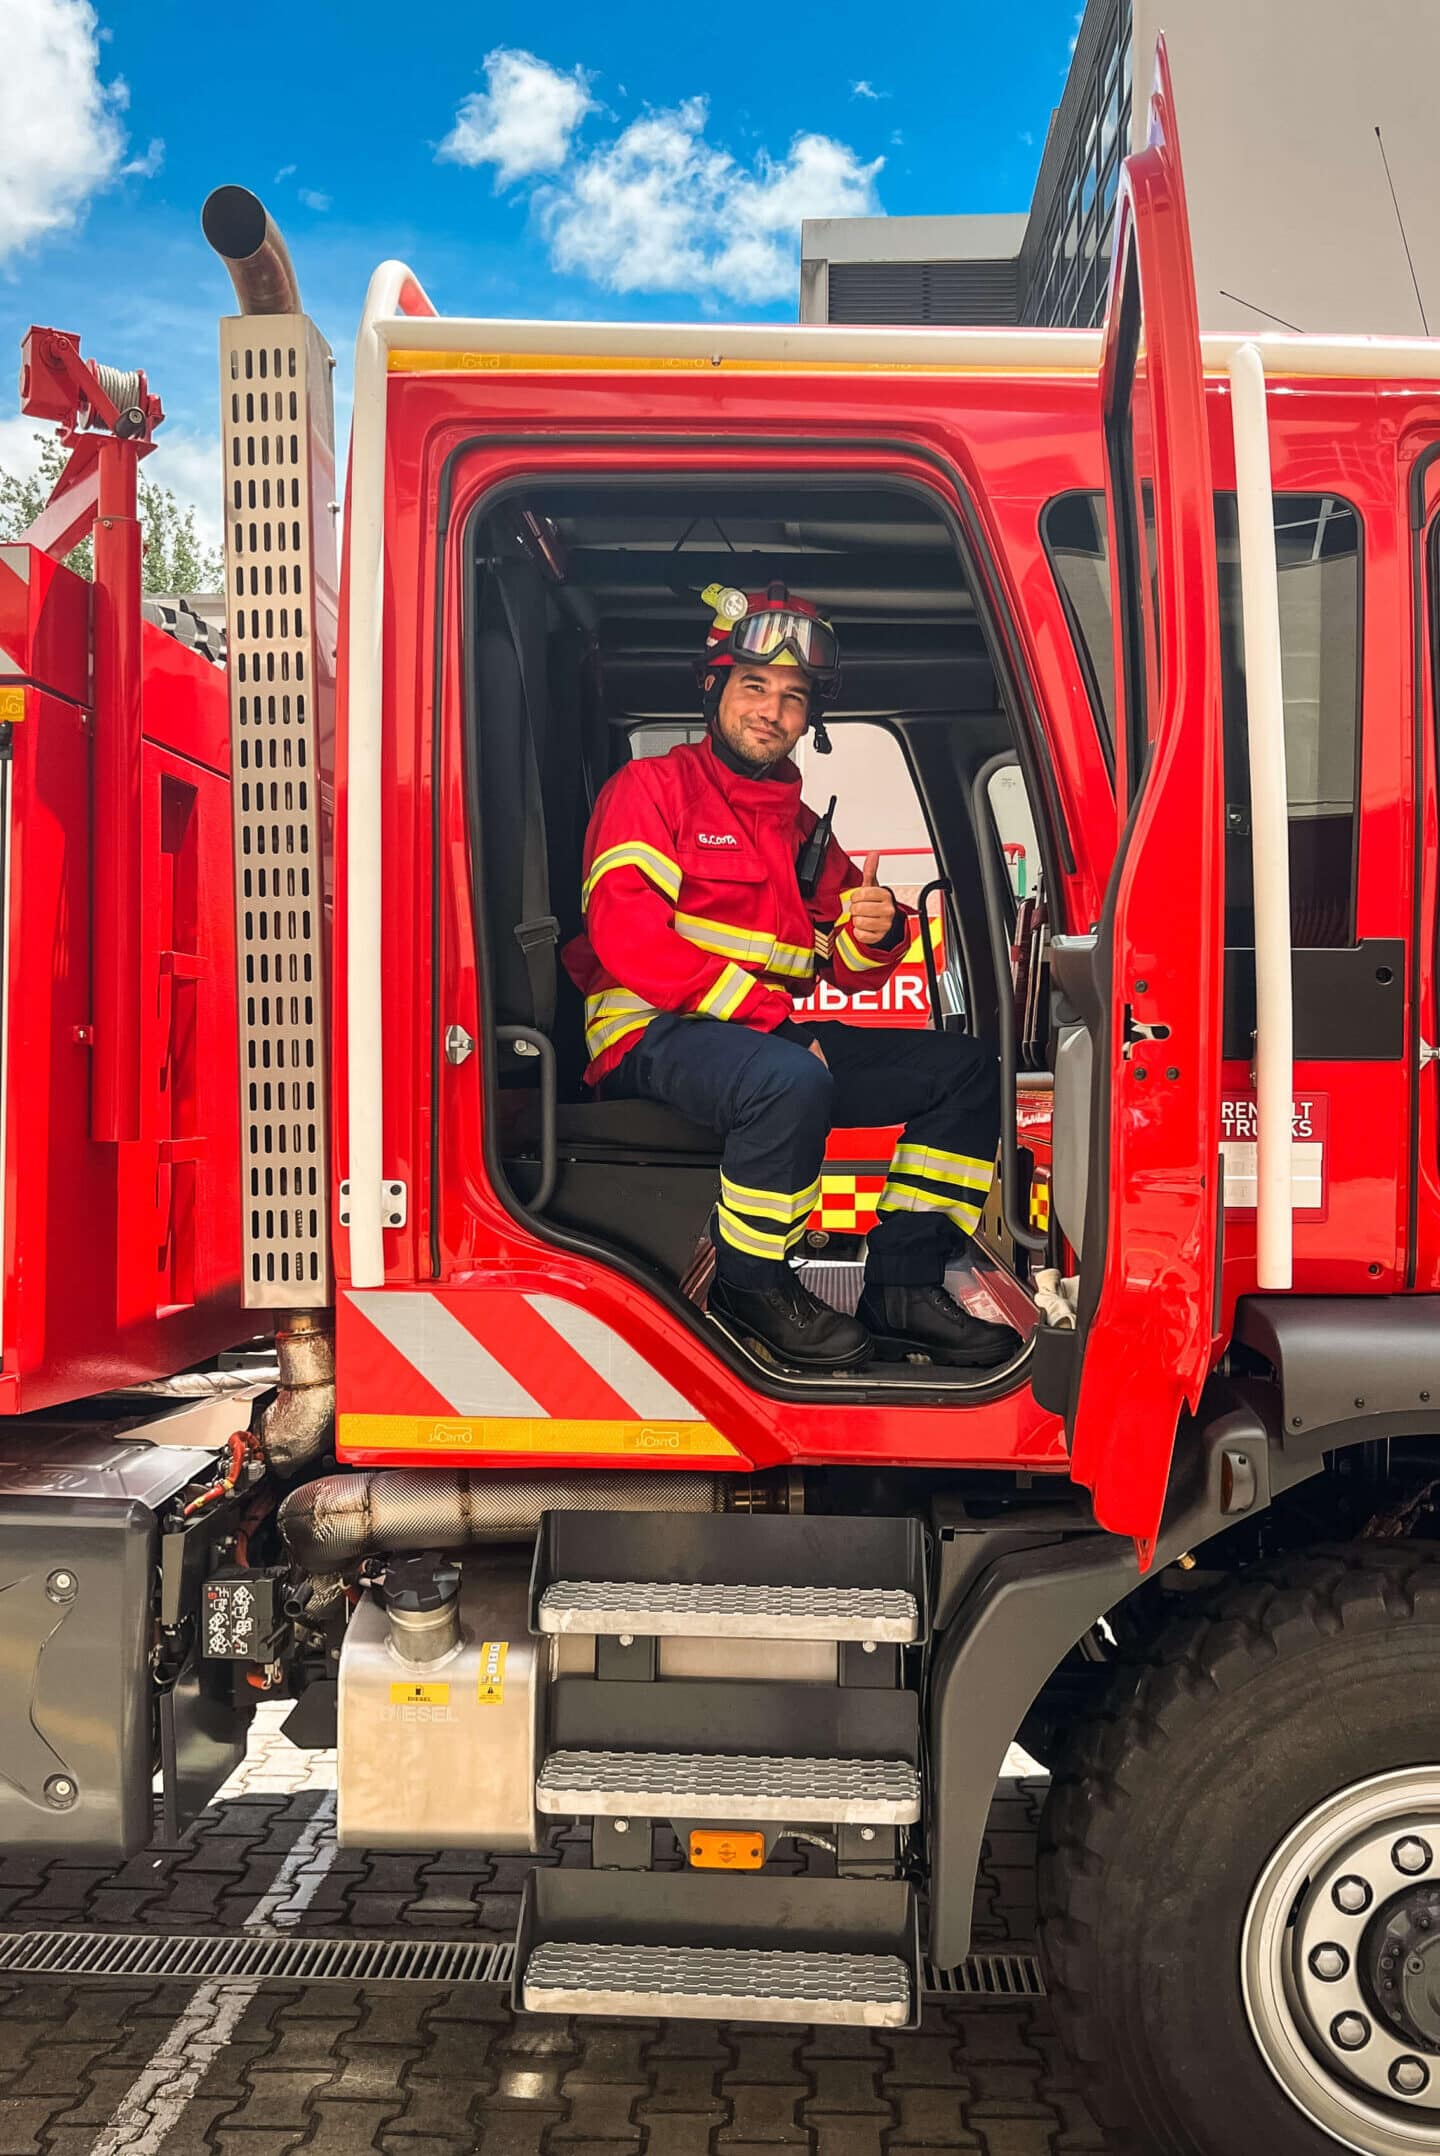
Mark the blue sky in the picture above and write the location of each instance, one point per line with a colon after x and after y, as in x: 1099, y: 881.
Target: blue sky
x: 634, y: 161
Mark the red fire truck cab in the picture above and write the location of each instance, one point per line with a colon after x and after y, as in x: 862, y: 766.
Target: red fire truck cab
x: 1140, y: 704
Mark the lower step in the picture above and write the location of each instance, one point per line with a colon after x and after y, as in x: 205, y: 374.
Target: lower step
x: 718, y: 1946
x: 710, y: 1983
x: 705, y: 1785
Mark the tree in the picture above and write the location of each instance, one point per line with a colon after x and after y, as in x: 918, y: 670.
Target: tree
x: 173, y: 559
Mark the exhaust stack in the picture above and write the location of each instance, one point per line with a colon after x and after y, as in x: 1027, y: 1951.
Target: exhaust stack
x: 282, y: 604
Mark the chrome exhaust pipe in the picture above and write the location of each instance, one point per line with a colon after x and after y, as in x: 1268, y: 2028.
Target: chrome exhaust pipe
x: 330, y: 1524
x: 244, y: 235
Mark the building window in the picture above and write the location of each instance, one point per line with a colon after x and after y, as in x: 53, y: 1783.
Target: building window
x: 1318, y: 545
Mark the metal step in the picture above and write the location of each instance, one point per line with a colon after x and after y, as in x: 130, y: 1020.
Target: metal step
x: 717, y: 1983
x: 669, y: 1608
x: 713, y: 1785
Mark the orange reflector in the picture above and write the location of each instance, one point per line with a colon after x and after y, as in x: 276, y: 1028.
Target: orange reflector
x: 713, y: 1849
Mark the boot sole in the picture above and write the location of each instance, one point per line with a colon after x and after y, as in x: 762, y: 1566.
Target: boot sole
x: 897, y: 1347
x: 764, y: 1352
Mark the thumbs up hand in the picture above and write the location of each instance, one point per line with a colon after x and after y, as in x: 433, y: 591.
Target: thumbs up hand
x: 872, y: 906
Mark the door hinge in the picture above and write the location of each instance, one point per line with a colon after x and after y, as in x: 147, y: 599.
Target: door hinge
x: 1427, y: 1054
x: 458, y: 1045
x: 394, y: 1203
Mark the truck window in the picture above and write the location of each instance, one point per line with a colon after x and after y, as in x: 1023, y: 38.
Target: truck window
x: 1318, y: 549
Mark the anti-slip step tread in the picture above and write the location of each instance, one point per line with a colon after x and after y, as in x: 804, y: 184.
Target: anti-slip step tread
x: 667, y: 1608
x: 711, y: 1785
x: 717, y: 1983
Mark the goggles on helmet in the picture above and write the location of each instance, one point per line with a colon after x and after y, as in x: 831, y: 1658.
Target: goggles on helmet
x: 773, y: 634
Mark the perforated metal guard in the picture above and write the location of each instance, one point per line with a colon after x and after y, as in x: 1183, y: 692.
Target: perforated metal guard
x: 278, y: 433
x: 668, y: 1608
x: 718, y: 1983
x: 709, y: 1785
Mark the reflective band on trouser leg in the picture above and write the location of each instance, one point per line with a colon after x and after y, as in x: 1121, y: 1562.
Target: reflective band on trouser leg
x: 899, y: 1197
x: 763, y: 1223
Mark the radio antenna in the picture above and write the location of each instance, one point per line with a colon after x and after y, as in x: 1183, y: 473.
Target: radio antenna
x: 1404, y: 241
x: 1235, y: 296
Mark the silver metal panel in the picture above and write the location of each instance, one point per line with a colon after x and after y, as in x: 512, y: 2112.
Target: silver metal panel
x: 278, y: 436
x: 787, y: 1661
x: 93, y: 1466
x: 444, y: 1756
x: 718, y: 1984
x: 655, y: 1608
x: 712, y: 1785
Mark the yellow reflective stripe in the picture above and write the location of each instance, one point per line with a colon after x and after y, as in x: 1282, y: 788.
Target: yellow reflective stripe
x: 661, y: 870
x: 612, y: 1014
x: 905, y: 1198
x: 724, y: 996
x: 754, y: 1242
x: 848, y: 951
x: 788, y: 960
x: 967, y: 1169
x: 770, y: 1204
x: 724, y: 940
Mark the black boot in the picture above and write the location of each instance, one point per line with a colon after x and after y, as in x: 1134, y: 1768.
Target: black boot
x: 927, y: 1321
x: 794, y: 1325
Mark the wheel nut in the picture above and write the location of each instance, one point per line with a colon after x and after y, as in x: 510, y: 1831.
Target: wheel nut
x: 1350, y: 2031
x: 1329, y: 1963
x: 1409, y: 2076
x: 1411, y: 1855
x: 1352, y: 1895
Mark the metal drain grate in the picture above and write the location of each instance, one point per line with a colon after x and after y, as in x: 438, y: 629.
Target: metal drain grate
x: 313, y: 1961
x: 987, y: 1976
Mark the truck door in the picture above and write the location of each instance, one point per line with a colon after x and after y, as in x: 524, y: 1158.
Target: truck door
x: 1148, y: 984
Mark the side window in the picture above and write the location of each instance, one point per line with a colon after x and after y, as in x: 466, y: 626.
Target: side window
x: 1318, y: 545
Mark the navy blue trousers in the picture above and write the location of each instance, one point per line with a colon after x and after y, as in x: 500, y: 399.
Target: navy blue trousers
x: 775, y: 1103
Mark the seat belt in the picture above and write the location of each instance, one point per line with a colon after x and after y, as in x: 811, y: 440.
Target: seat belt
x: 538, y: 932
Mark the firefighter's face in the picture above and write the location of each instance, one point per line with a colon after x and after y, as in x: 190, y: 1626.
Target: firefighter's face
x: 763, y: 711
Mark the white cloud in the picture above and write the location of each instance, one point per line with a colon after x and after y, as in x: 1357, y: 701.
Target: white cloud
x: 19, y: 449
x: 286, y: 172
x: 313, y: 199
x: 60, y: 134
x: 1027, y: 138
x: 663, y: 209
x: 146, y: 167
x: 867, y: 89
x: 524, y: 120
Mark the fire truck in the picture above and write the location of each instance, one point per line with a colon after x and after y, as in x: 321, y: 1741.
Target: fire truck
x: 287, y: 1055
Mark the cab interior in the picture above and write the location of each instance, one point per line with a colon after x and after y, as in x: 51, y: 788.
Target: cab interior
x: 583, y: 618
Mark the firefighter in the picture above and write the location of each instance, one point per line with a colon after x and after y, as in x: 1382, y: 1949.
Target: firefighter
x: 712, y: 896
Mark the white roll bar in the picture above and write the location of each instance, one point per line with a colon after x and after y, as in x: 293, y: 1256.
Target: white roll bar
x: 1269, y: 822
x: 395, y: 296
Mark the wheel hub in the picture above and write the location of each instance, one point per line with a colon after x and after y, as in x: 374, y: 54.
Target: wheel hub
x: 1402, y: 1964
x: 1341, y: 1965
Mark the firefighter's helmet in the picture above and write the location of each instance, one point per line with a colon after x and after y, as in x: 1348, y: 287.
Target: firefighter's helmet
x: 770, y: 628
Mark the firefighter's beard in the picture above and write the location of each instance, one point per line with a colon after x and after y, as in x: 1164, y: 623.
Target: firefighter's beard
x: 733, y: 749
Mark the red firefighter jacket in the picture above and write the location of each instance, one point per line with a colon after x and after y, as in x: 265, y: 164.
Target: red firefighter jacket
x: 692, y: 903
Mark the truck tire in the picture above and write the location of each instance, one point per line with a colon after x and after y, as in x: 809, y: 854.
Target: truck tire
x: 1240, y: 1871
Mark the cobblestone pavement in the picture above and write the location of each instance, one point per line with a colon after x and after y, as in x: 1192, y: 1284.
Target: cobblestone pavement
x: 240, y: 2068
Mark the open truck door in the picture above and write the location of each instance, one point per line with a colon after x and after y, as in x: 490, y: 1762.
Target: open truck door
x: 1148, y: 983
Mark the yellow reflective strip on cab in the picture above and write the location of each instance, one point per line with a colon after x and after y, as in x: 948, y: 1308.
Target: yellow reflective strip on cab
x: 459, y: 1436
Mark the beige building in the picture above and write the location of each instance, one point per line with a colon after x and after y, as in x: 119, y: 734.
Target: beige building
x: 1291, y: 212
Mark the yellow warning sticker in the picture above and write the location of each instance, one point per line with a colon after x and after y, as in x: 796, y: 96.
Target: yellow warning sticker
x: 419, y: 1695
x: 12, y: 706
x: 491, y: 1689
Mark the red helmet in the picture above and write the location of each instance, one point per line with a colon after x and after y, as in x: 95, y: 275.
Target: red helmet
x: 770, y: 628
